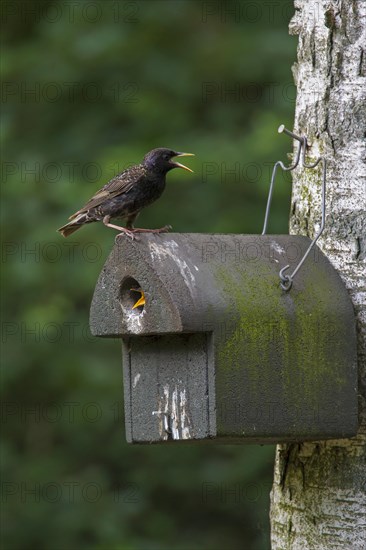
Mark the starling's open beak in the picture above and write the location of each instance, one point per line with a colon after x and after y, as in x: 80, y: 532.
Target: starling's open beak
x: 179, y: 165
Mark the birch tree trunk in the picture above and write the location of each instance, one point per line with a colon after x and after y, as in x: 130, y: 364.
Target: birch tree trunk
x: 318, y: 497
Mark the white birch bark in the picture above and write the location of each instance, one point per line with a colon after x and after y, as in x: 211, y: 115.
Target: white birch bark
x: 318, y: 499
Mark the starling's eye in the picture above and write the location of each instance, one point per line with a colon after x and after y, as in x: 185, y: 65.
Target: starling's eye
x: 166, y: 156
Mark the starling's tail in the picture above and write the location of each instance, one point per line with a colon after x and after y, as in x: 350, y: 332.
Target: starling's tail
x: 72, y: 226
x: 69, y: 228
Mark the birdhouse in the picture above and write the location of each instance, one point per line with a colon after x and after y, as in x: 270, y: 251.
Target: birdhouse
x: 214, y: 349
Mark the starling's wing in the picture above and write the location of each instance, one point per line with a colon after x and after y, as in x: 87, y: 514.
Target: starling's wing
x: 116, y: 186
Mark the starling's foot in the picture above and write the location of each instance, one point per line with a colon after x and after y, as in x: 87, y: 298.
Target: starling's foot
x: 164, y: 229
x: 124, y: 230
x: 129, y: 234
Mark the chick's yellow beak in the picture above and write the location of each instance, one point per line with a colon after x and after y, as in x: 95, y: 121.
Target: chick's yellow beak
x: 142, y: 300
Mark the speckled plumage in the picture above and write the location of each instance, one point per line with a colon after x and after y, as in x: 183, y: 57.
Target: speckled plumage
x: 128, y: 193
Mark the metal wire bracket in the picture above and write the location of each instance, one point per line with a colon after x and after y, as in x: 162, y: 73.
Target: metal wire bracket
x: 287, y: 280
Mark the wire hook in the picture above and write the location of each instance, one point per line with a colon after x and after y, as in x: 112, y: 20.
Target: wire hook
x: 287, y: 280
x: 284, y: 168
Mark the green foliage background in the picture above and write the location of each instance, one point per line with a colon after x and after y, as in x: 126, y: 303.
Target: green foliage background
x: 113, y: 80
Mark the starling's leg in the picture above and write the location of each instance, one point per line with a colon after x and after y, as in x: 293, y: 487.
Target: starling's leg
x: 132, y: 217
x: 164, y: 229
x: 124, y: 230
x: 130, y: 220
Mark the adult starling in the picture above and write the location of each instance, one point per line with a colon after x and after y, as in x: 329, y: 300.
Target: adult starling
x: 128, y: 193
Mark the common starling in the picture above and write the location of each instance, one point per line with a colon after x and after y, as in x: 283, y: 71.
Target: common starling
x: 128, y: 193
